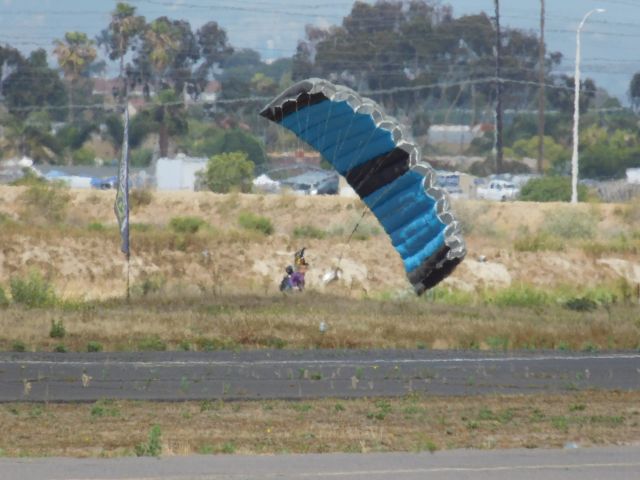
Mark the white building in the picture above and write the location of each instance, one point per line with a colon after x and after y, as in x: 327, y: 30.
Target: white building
x: 633, y: 175
x: 178, y: 173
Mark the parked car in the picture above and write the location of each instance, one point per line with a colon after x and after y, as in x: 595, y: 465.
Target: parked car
x: 313, y: 182
x: 498, y: 190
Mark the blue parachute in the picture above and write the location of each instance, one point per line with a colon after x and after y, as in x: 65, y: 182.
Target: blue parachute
x: 377, y: 158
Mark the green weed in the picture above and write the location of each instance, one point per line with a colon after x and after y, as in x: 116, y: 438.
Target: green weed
x: 153, y: 447
x: 34, y: 291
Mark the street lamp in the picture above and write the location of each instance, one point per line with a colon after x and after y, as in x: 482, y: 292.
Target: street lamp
x: 576, y: 109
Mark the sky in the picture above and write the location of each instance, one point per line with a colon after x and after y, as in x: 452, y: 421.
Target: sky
x: 610, y: 54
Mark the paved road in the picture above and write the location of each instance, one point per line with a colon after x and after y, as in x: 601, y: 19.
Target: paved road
x: 621, y: 463
x: 305, y: 374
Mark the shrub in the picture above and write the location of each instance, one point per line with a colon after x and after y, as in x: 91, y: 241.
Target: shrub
x: 57, y: 329
x: 18, y: 346
x: 257, y: 223
x: 526, y: 242
x: 581, y: 304
x: 94, y: 347
x: 152, y: 344
x: 4, y: 301
x: 33, y: 291
x: 47, y: 202
x: 308, y: 231
x: 149, y: 285
x: 141, y: 157
x: 139, y: 197
x: 153, y: 447
x: 550, y: 189
x: 569, y: 223
x: 96, y: 227
x: 519, y: 296
x: 60, y: 348
x: 227, y: 171
x: 186, y: 224
x: 84, y: 156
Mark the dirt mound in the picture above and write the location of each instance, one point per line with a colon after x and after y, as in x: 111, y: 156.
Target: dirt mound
x: 82, y: 258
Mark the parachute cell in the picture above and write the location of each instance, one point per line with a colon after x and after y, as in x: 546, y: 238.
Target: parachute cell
x: 377, y: 158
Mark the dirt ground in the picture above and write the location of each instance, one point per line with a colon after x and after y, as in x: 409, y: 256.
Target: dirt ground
x: 85, y: 262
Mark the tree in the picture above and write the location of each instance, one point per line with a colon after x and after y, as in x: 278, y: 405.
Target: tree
x: 237, y: 140
x: 122, y: 33
x: 228, y: 171
x: 75, y: 54
x: 169, y: 118
x: 33, y: 85
x: 214, y: 50
x: 634, y: 92
x: 29, y: 137
x: 550, y: 189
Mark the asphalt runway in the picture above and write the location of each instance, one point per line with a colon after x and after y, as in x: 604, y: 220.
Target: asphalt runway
x: 283, y: 374
x: 620, y: 463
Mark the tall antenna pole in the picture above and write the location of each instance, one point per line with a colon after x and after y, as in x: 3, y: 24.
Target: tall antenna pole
x: 541, y: 51
x: 498, y: 92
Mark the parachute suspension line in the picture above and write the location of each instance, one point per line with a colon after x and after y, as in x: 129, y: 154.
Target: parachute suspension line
x: 355, y: 228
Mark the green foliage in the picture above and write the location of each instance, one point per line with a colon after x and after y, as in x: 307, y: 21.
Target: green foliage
x: 73, y: 136
x: 28, y: 179
x: 104, y: 408
x: 519, y: 296
x: 32, y: 291
x: 153, y: 447
x: 550, y: 189
x: 139, y: 197
x: 34, y: 84
x: 149, y: 285
x: 47, y: 202
x: 228, y: 171
x: 570, y: 223
x: 308, y: 231
x: 60, y: 348
x: 581, y: 304
x: 96, y: 227
x: 4, y: 301
x: 84, y: 156
x: 57, y: 329
x: 541, y: 241
x: 141, y: 157
x: 237, y: 140
x: 257, y: 223
x: 555, y: 153
x: 18, y: 346
x: 152, y: 344
x: 94, y: 347
x: 186, y: 224
x: 606, y: 153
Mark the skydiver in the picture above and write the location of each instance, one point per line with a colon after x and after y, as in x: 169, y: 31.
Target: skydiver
x: 285, y: 283
x: 297, y: 278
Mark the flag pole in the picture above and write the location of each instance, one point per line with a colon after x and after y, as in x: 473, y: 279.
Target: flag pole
x: 121, y: 206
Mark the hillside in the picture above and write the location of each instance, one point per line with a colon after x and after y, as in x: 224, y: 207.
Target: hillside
x: 508, y: 243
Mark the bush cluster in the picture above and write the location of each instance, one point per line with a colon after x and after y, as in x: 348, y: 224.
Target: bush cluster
x: 33, y: 291
x: 258, y: 223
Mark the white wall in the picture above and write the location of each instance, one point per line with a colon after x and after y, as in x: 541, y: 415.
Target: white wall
x: 178, y: 173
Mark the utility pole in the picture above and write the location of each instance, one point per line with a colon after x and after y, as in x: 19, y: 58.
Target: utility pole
x: 541, y: 51
x: 498, y: 92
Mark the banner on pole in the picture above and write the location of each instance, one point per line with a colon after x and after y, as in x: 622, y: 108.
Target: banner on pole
x: 121, y: 206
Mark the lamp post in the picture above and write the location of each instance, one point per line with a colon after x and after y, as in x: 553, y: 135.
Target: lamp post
x: 576, y: 109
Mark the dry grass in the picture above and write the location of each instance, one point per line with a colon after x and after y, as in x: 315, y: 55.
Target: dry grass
x: 203, y: 322
x: 412, y: 423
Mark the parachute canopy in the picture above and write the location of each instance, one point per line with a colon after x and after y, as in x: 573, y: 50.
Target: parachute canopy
x: 380, y: 162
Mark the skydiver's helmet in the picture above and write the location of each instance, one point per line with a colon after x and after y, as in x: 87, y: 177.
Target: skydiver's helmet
x: 289, y: 270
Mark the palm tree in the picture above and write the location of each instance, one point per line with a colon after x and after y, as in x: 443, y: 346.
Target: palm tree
x: 123, y: 29
x: 75, y: 54
x: 163, y: 44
